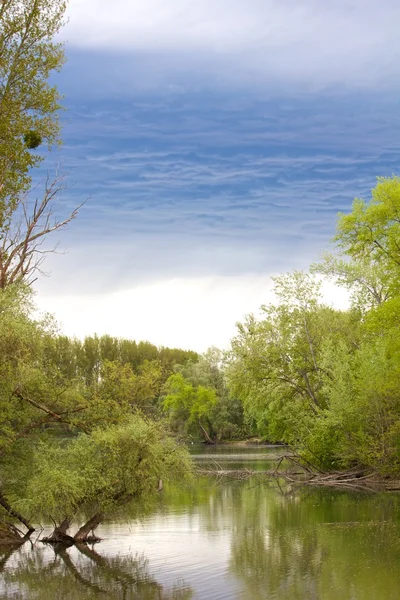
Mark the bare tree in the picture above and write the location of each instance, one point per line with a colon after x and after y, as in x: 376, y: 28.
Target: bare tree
x: 25, y: 229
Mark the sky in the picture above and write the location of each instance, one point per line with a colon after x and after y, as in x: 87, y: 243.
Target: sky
x: 215, y: 141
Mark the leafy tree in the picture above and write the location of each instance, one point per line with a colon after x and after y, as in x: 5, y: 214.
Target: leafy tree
x: 45, y: 404
x: 369, y: 282
x: 190, y: 407
x: 226, y: 415
x: 326, y: 381
x: 278, y: 365
x: 367, y: 258
x: 120, y: 392
x: 34, y: 400
x: 29, y: 104
x: 29, y: 107
x: 98, y: 471
x: 371, y: 231
x: 31, y: 396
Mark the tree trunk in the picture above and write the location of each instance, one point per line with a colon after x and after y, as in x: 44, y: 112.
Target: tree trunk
x: 82, y: 535
x: 16, y: 515
x: 212, y: 434
x: 205, y: 432
x: 10, y: 535
x: 59, y: 535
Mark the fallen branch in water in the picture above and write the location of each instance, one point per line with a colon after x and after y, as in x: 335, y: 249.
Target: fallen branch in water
x: 305, y: 474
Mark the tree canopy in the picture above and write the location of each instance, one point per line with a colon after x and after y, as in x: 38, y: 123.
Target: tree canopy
x: 325, y: 381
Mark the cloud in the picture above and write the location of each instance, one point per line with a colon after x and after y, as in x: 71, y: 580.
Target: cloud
x: 212, y: 185
x: 192, y: 313
x: 351, y: 42
x: 199, y: 190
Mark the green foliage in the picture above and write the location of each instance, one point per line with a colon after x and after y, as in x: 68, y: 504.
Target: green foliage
x: 369, y: 283
x: 372, y: 230
x: 67, y: 441
x: 101, y: 470
x: 276, y: 363
x: 120, y: 391
x: 324, y: 381
x: 198, y: 401
x: 28, y: 102
x: 21, y: 353
x: 190, y: 406
x: 85, y: 360
x: 32, y: 139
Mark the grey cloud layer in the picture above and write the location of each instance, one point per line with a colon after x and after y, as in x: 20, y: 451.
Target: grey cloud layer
x: 199, y: 185
x: 352, y: 42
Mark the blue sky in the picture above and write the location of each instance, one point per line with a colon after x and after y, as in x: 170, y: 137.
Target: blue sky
x: 216, y: 142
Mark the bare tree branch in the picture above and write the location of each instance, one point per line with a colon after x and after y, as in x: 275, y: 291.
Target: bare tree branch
x: 21, y: 254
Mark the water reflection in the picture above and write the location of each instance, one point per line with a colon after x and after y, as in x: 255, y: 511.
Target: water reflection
x: 316, y: 545
x: 303, y: 544
x: 227, y: 539
x: 79, y: 572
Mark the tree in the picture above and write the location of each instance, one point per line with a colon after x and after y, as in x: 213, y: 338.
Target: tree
x: 29, y: 104
x: 50, y: 412
x: 325, y: 381
x: 34, y: 400
x: 97, y: 472
x: 278, y: 365
x: 226, y: 415
x: 120, y: 391
x: 24, y: 230
x: 363, y: 414
x: 29, y: 107
x: 368, y: 282
x: 189, y: 407
x: 371, y: 231
x: 367, y: 257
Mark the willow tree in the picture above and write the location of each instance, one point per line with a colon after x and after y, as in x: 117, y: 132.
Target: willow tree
x: 96, y: 472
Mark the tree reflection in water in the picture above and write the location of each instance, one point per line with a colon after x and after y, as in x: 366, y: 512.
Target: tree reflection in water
x: 78, y: 573
x: 283, y: 545
x: 315, y: 544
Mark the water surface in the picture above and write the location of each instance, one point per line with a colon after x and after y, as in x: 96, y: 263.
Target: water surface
x: 245, y: 540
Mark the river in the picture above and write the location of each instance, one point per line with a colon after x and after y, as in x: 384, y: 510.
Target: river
x: 226, y: 539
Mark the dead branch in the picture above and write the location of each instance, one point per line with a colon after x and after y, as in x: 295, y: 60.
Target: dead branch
x: 21, y: 254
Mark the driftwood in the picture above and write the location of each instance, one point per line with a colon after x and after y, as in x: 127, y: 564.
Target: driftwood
x: 301, y: 472
x: 234, y: 473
